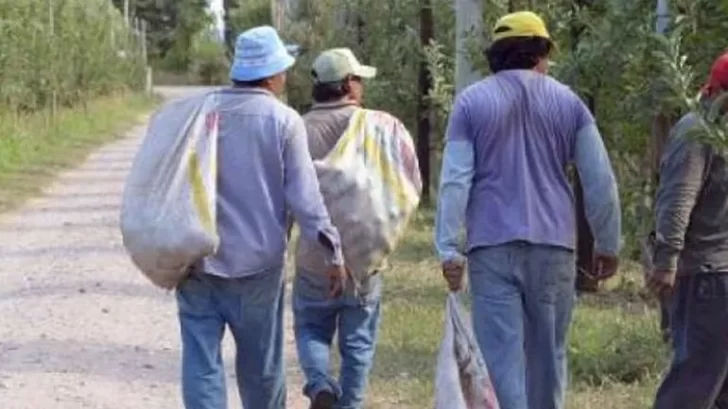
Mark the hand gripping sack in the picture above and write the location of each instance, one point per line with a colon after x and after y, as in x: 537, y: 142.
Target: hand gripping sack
x: 462, y: 380
x: 371, y: 185
x: 168, y: 209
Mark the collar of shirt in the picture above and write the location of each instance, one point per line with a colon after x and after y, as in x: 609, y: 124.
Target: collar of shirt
x: 248, y: 90
x: 332, y: 105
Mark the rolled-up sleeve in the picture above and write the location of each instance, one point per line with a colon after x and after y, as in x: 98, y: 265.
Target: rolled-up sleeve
x: 681, y: 178
x: 601, y: 196
x: 456, y: 178
x: 303, y: 194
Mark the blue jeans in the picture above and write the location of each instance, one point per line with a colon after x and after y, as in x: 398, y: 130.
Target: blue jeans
x: 523, y: 296
x: 252, y: 307
x: 317, y: 319
x: 698, y: 376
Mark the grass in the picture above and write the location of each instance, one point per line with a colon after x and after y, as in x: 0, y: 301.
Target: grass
x: 616, y: 353
x: 33, y: 147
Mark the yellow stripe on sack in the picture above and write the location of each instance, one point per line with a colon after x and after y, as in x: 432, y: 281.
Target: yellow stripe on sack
x: 199, y: 193
x: 348, y: 138
x: 375, y: 152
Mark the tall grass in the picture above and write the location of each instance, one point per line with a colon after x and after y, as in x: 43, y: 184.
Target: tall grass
x: 63, y: 53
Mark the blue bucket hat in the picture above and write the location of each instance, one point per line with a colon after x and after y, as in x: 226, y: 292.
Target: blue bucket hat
x: 259, y: 54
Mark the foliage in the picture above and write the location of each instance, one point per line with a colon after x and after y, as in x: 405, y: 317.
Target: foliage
x: 209, y: 59
x: 712, y: 126
x: 62, y: 52
x: 254, y: 13
x: 171, y: 28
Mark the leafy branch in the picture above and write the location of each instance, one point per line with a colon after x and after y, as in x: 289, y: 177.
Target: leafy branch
x: 679, y: 77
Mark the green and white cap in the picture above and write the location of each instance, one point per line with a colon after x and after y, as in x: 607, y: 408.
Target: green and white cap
x: 336, y: 64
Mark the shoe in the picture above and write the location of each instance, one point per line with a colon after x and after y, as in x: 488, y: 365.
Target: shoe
x: 323, y: 400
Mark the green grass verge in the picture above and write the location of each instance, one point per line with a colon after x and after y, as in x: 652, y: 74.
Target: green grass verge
x: 616, y: 354
x: 33, y: 147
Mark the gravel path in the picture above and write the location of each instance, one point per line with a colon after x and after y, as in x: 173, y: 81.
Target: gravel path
x: 79, y: 326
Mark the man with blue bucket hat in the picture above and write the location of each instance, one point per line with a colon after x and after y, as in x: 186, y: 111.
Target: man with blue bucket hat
x: 264, y: 169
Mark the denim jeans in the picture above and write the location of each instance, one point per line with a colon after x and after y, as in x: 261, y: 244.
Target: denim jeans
x: 699, y: 322
x: 522, y: 299
x: 318, y: 318
x: 252, y: 308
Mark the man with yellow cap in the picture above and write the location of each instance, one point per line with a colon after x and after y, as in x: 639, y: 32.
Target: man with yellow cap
x: 510, y: 140
x: 338, y: 91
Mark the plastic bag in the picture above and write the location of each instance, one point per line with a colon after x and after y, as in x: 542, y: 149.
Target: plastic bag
x: 462, y: 380
x: 168, y: 211
x: 371, y: 185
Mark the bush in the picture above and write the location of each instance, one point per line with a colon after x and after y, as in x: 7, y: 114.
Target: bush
x: 64, y: 52
x: 613, y: 345
x: 209, y: 60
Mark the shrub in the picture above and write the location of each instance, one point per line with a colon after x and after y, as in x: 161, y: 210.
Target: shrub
x: 64, y: 52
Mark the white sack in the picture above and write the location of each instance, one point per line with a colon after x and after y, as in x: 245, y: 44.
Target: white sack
x: 461, y: 378
x: 371, y: 184
x: 168, y: 210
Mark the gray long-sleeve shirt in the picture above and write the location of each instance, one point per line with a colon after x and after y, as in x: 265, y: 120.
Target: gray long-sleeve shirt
x: 264, y: 168
x: 692, y: 205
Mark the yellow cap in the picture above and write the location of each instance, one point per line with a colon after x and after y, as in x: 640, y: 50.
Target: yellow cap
x: 520, y: 24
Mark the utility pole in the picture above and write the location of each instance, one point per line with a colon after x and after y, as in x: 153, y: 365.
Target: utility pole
x: 468, y: 20
x: 278, y: 12
x: 126, y: 12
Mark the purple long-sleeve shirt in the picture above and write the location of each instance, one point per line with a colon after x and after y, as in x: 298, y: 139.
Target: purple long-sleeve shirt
x: 264, y: 169
x: 510, y: 139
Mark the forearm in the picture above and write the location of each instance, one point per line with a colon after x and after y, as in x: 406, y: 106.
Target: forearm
x: 601, y: 196
x: 681, y: 179
x: 455, y: 183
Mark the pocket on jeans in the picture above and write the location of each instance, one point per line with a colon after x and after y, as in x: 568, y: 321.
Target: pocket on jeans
x: 556, y: 272
x: 262, y: 289
x: 193, y: 296
x: 493, y: 275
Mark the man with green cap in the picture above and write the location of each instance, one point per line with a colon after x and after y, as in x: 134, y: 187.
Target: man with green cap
x: 337, y: 92
x: 264, y: 169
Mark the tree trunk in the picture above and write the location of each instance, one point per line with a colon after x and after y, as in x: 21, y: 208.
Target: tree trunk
x: 424, y: 108
x: 585, y: 240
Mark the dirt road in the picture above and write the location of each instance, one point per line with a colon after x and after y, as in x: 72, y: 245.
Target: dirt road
x: 79, y: 326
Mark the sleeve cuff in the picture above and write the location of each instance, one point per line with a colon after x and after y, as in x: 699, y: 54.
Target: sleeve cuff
x: 666, y: 257
x: 445, y: 256
x: 338, y: 258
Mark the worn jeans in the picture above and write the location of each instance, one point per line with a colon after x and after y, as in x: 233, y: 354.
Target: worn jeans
x: 318, y: 318
x: 522, y: 299
x: 699, y: 320
x: 252, y: 308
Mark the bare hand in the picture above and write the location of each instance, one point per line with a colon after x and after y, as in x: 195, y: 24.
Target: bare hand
x: 661, y: 283
x: 453, y: 271
x: 337, y: 280
x: 605, y: 267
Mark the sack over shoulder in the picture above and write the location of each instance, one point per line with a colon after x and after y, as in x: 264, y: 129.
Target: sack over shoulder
x: 168, y: 211
x: 371, y: 185
x: 461, y: 380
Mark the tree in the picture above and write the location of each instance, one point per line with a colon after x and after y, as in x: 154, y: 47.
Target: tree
x: 424, y: 106
x: 171, y: 27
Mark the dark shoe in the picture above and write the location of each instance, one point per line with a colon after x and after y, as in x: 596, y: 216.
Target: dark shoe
x: 323, y: 400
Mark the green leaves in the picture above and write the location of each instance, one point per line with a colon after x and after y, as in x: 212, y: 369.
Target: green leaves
x: 61, y: 52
